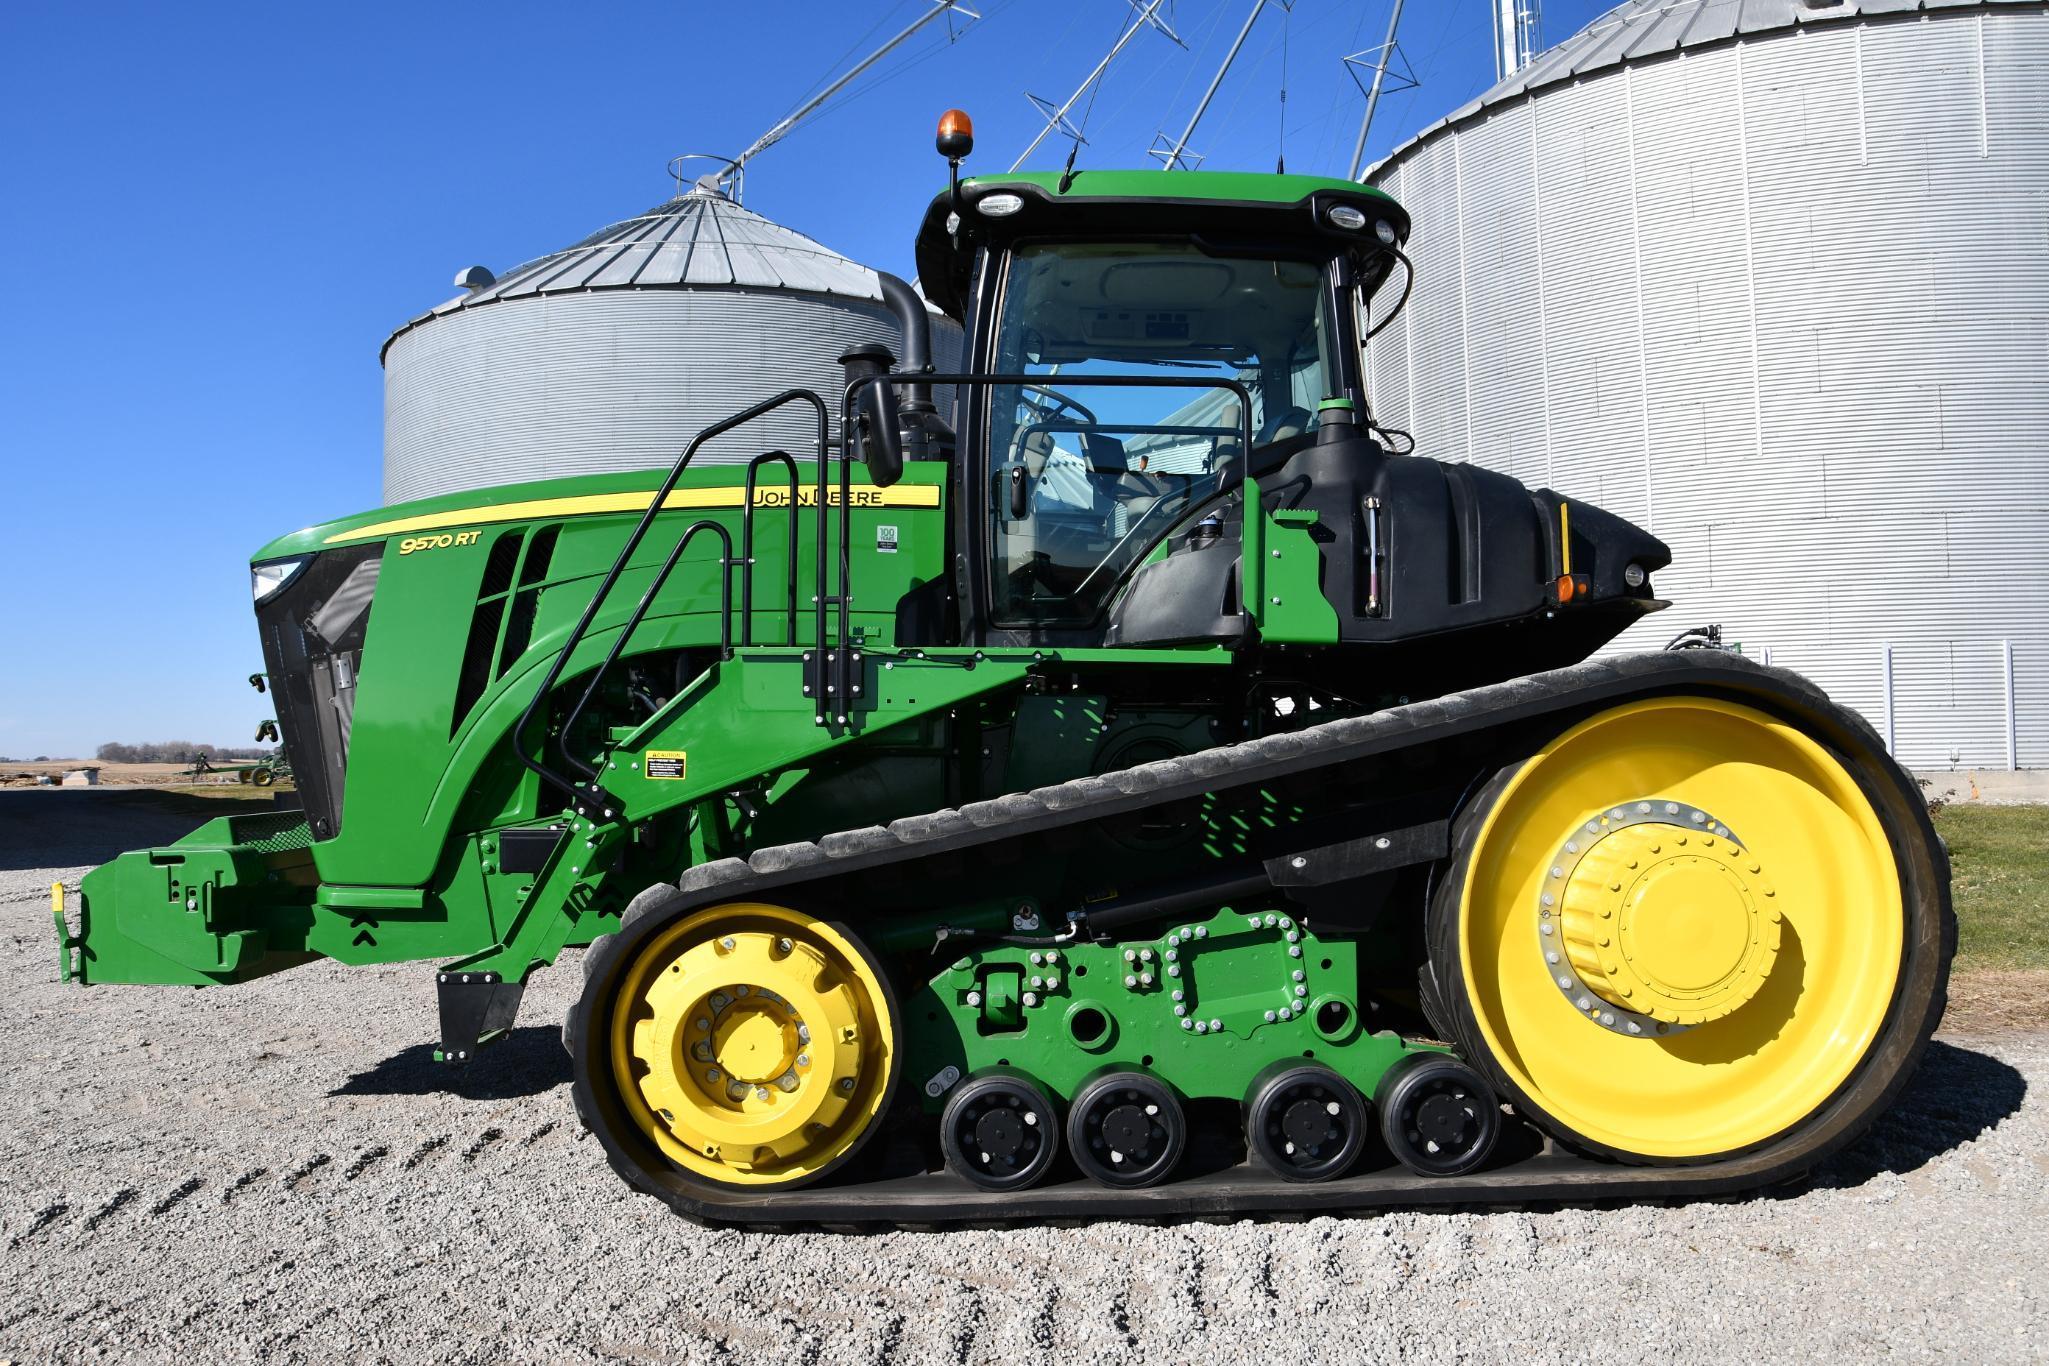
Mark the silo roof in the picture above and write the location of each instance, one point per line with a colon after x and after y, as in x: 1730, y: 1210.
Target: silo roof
x: 701, y: 239
x: 1644, y: 30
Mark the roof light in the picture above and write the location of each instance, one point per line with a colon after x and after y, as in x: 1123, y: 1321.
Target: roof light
x: 1344, y: 216
x: 999, y: 205
x: 956, y: 134
x: 1384, y: 230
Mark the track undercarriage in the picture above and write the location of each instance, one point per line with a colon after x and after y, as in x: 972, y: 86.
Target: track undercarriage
x: 1337, y: 1016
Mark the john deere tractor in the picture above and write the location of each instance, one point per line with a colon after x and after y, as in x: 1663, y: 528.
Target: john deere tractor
x: 1143, y: 788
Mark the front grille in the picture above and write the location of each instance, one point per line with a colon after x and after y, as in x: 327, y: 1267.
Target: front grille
x: 313, y: 632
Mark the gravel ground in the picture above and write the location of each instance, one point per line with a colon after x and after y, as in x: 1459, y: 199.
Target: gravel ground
x: 276, y: 1171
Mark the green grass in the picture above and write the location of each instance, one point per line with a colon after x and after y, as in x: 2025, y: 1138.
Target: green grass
x: 2000, y: 856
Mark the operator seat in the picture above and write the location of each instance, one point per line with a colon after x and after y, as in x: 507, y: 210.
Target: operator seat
x: 1289, y: 422
x: 1279, y: 437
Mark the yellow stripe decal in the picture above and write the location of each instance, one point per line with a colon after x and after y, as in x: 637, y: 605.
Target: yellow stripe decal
x: 589, y: 504
x: 1564, y: 542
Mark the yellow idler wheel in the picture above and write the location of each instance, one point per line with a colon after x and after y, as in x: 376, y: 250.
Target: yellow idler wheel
x: 1678, y: 929
x: 752, y: 1044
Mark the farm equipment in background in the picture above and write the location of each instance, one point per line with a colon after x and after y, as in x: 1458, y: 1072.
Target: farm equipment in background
x: 277, y: 765
x: 1142, y: 793
x: 201, y: 766
x: 265, y: 771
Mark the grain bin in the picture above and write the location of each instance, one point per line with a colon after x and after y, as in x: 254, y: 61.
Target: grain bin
x: 613, y: 353
x: 1772, y: 279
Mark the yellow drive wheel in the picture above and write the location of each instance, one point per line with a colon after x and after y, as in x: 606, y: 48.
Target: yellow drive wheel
x: 1675, y: 932
x: 752, y: 1044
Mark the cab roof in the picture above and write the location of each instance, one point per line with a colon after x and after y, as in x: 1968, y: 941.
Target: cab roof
x: 1235, y: 206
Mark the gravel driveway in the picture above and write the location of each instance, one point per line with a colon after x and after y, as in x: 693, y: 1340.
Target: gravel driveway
x: 277, y: 1171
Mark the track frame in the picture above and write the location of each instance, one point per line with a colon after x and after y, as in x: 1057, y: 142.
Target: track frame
x: 1502, y: 717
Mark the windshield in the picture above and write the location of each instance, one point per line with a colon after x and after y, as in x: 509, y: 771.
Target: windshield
x: 1086, y: 478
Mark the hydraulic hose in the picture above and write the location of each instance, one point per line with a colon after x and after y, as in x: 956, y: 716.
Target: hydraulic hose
x: 1408, y: 283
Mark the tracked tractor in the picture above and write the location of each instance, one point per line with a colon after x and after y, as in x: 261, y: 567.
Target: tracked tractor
x: 1114, y: 778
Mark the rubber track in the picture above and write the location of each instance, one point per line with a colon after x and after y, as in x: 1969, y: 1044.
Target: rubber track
x: 1554, y: 698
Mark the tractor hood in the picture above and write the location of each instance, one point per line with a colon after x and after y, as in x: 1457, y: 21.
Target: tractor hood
x: 623, y: 492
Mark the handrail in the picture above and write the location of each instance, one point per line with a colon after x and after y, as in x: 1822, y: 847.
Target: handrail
x: 747, y: 547
x: 592, y: 803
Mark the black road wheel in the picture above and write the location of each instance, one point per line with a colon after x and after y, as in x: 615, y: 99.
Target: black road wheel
x: 1126, y: 1129
x: 1305, y: 1122
x: 1000, y: 1131
x: 1437, y: 1116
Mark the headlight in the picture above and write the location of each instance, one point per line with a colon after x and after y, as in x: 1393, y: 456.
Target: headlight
x: 1345, y: 216
x: 1633, y: 575
x: 998, y: 205
x: 266, y: 581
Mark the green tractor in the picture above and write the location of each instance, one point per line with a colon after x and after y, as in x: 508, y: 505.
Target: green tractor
x: 267, y: 771
x: 1142, y: 790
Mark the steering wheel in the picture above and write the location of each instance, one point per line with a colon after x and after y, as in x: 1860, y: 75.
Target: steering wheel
x: 1061, y: 403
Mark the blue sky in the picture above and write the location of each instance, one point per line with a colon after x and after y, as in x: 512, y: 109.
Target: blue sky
x: 211, y: 215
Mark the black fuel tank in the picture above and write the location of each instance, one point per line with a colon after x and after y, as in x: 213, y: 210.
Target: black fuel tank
x: 1417, y: 547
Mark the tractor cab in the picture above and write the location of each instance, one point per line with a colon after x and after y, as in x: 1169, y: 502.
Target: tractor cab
x: 1143, y: 341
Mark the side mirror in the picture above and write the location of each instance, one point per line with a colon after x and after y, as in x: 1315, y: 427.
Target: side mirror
x: 266, y: 731
x: 256, y: 682
x: 882, y: 442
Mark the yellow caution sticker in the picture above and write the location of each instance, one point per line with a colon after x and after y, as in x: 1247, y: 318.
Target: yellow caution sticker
x: 665, y: 763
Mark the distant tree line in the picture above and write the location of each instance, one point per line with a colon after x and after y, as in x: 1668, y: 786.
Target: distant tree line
x: 175, y: 752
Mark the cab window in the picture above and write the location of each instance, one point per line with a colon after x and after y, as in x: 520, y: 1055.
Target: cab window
x: 1084, y: 479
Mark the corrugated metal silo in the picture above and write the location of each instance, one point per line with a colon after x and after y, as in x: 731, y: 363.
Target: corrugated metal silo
x: 1771, y: 278
x: 612, y: 354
